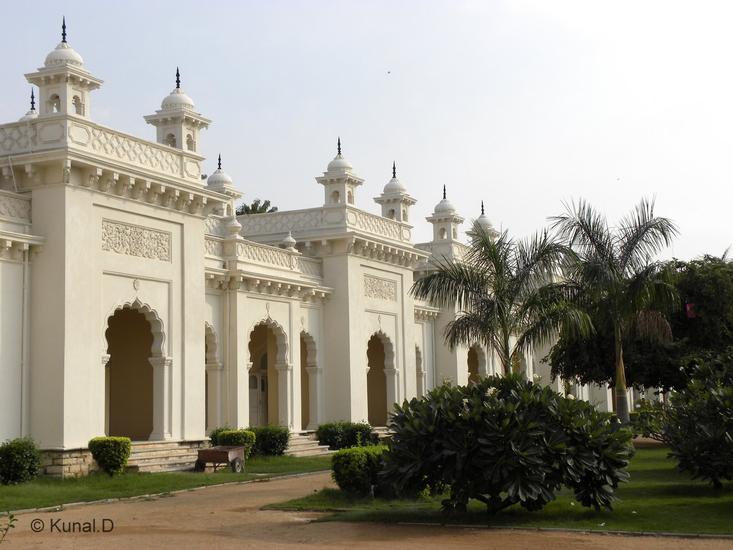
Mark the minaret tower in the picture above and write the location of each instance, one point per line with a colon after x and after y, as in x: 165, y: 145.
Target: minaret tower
x: 395, y: 200
x: 445, y: 221
x: 177, y: 123
x: 339, y: 181
x: 484, y: 223
x: 64, y: 85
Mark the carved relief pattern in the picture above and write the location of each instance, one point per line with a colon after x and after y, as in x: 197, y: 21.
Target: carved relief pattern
x: 124, y: 148
x: 15, y: 138
x: 310, y: 267
x: 380, y: 289
x: 378, y: 225
x: 265, y: 254
x: 214, y: 226
x: 135, y: 240
x: 214, y: 247
x: 281, y: 222
x: 12, y: 206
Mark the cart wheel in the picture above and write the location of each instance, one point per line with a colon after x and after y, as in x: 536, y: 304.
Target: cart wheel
x: 236, y: 465
x: 200, y: 466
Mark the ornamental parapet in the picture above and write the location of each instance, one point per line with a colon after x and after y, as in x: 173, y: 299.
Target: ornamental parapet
x: 79, y: 135
x: 312, y: 223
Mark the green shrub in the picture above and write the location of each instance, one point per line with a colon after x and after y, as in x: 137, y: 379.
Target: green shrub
x: 270, y: 440
x: 698, y: 425
x: 342, y: 435
x: 111, y: 453
x: 20, y: 461
x: 506, y: 441
x: 238, y: 438
x: 356, y: 470
x: 647, y: 419
x: 214, y: 435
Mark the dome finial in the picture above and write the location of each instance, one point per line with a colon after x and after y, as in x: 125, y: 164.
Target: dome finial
x: 219, y: 161
x: 63, y: 29
x: 33, y: 100
x: 338, y: 146
x: 178, y: 79
x: 394, y: 169
x: 443, y: 191
x: 482, y: 208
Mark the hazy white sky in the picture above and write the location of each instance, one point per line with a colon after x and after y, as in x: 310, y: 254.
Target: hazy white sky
x: 524, y: 104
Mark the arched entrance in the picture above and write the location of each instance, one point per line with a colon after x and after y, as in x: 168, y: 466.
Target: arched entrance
x: 129, y: 375
x: 268, y: 375
x: 380, y: 376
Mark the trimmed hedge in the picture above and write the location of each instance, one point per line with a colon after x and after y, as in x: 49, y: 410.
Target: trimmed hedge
x: 270, y: 440
x: 356, y: 470
x: 111, y: 453
x: 238, y: 438
x: 214, y: 435
x: 343, y: 435
x: 20, y: 461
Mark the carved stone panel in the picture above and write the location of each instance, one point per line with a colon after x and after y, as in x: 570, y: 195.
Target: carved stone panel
x: 381, y: 289
x: 136, y: 240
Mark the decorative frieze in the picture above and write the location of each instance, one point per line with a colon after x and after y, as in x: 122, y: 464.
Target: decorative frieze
x: 136, y: 240
x: 380, y: 289
x: 14, y: 206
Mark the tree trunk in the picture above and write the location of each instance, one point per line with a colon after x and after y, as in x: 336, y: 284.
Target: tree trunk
x: 621, y: 394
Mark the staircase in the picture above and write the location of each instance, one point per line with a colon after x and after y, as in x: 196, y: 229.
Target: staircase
x: 164, y: 456
x: 306, y: 444
x: 382, y: 432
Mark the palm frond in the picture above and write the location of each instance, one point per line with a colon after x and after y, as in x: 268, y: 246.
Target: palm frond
x: 642, y: 235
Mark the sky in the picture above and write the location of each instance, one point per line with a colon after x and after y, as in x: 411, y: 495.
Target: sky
x: 524, y: 104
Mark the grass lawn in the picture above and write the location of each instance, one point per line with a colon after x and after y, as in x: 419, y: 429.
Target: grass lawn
x: 44, y: 492
x: 657, y: 498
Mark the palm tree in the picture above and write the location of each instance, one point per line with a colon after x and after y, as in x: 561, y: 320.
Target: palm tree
x: 505, y: 294
x: 614, y: 270
x: 257, y: 207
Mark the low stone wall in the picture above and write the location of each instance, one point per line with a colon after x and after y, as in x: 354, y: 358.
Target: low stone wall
x: 67, y: 463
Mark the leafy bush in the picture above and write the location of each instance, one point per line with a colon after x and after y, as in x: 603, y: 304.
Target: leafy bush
x: 647, y: 419
x: 238, y: 438
x: 20, y: 461
x: 356, y: 470
x: 506, y: 441
x: 342, y: 435
x: 698, y: 426
x: 214, y: 435
x: 111, y: 453
x: 270, y: 440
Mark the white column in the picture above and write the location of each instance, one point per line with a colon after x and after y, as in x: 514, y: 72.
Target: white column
x: 105, y: 364
x: 161, y: 398
x: 392, y: 387
x: 314, y: 395
x: 214, y: 371
x: 284, y: 391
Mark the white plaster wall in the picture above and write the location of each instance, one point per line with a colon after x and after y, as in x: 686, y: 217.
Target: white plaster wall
x: 11, y: 348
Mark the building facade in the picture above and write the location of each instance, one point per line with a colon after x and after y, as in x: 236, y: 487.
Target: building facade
x: 134, y: 301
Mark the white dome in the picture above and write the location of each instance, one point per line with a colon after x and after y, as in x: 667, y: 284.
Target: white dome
x: 219, y: 178
x: 394, y: 186
x: 339, y: 163
x: 63, y: 55
x: 445, y: 207
x: 289, y: 241
x: 30, y: 115
x: 484, y: 222
x: 177, y: 99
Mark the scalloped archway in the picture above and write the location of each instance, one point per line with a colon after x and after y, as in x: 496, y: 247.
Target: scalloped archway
x: 380, y: 378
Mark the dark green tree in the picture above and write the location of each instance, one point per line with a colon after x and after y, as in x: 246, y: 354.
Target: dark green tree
x: 615, y: 270
x: 257, y: 207
x: 505, y: 294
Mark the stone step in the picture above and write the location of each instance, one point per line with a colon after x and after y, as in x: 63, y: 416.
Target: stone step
x: 138, y: 461
x: 162, y: 453
x: 313, y: 451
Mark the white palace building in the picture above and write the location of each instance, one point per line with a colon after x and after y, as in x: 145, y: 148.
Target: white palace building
x: 133, y: 301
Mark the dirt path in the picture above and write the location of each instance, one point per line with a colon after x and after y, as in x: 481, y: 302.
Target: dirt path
x: 230, y: 517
